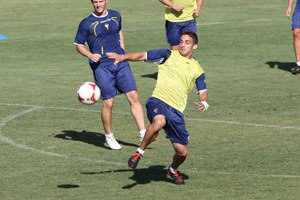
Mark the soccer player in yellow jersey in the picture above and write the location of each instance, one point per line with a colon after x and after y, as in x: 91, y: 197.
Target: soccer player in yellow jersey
x: 180, y: 16
x: 178, y: 72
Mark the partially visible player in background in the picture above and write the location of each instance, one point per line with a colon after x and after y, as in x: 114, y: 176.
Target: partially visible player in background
x: 180, y: 16
x: 178, y: 73
x: 102, y: 31
x: 296, y: 31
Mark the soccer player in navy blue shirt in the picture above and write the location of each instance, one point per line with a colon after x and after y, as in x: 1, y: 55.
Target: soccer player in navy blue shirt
x: 296, y: 31
x: 102, y: 31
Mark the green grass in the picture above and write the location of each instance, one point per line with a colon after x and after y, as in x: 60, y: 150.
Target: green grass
x: 52, y: 147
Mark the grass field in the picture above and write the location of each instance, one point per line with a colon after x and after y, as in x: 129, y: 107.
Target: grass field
x: 245, y: 147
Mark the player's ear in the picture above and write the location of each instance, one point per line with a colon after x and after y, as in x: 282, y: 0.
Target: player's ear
x: 195, y: 46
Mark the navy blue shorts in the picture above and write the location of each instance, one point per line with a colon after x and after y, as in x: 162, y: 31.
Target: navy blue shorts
x: 175, y: 124
x: 114, y: 79
x: 296, y: 18
x: 174, y: 30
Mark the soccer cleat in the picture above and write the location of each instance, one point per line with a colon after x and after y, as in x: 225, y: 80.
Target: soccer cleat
x: 134, y: 160
x: 112, y: 143
x: 296, y: 70
x: 177, y: 178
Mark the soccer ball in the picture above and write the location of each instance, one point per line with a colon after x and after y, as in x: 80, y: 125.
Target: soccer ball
x: 88, y: 93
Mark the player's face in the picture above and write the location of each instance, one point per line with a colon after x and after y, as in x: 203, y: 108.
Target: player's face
x: 187, y: 46
x: 100, y: 7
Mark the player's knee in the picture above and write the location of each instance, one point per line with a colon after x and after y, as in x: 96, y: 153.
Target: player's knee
x: 133, y: 97
x: 108, y: 104
x: 183, y: 153
x: 159, y: 121
x: 296, y: 32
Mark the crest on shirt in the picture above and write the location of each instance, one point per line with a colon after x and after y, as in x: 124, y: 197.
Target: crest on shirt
x: 106, y: 25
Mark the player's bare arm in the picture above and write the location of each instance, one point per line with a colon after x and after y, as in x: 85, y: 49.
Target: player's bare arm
x: 203, y: 97
x: 83, y: 51
x: 289, y: 9
x: 135, y: 56
x: 198, y: 9
x: 122, y: 40
x: 175, y: 7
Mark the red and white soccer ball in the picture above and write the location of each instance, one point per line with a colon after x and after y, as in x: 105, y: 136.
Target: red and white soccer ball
x: 88, y: 93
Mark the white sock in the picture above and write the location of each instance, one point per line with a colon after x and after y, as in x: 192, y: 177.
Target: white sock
x: 142, y: 132
x: 140, y: 151
x: 298, y: 63
x: 172, y: 170
x: 109, y: 135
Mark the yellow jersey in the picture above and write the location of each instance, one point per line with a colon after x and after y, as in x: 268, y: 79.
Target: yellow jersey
x: 186, y: 14
x: 176, y: 78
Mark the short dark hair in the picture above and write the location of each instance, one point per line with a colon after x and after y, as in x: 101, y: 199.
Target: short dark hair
x: 193, y: 35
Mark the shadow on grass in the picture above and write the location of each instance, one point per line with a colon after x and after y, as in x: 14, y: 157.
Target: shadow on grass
x: 286, y: 66
x: 154, y: 75
x: 142, y: 176
x: 96, y: 139
x: 68, y: 186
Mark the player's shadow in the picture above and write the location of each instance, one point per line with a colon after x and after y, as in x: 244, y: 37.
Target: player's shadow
x: 154, y: 75
x: 68, y: 186
x: 93, y: 138
x: 143, y: 176
x: 286, y: 66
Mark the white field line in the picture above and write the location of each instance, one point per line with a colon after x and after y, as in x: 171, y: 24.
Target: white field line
x: 188, y: 119
x: 238, y: 22
x: 53, y: 35
x: 24, y: 147
x: 243, y: 174
x: 244, y: 123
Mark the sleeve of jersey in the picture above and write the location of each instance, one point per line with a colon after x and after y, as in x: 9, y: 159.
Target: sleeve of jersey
x: 201, y: 83
x: 158, y: 56
x: 81, y: 35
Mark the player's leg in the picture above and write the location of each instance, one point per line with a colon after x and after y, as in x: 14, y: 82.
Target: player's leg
x: 158, y: 122
x: 155, y: 114
x: 179, y: 157
x: 106, y: 114
x: 179, y: 136
x: 296, y: 42
x: 173, y: 35
x: 189, y: 26
x: 106, y: 82
x: 296, y: 33
x: 137, y: 111
x: 126, y: 84
x: 180, y: 154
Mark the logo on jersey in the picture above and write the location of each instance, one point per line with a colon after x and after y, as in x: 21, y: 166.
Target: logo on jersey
x: 106, y: 25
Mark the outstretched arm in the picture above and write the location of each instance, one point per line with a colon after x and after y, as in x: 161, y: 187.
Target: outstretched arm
x: 135, y: 56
